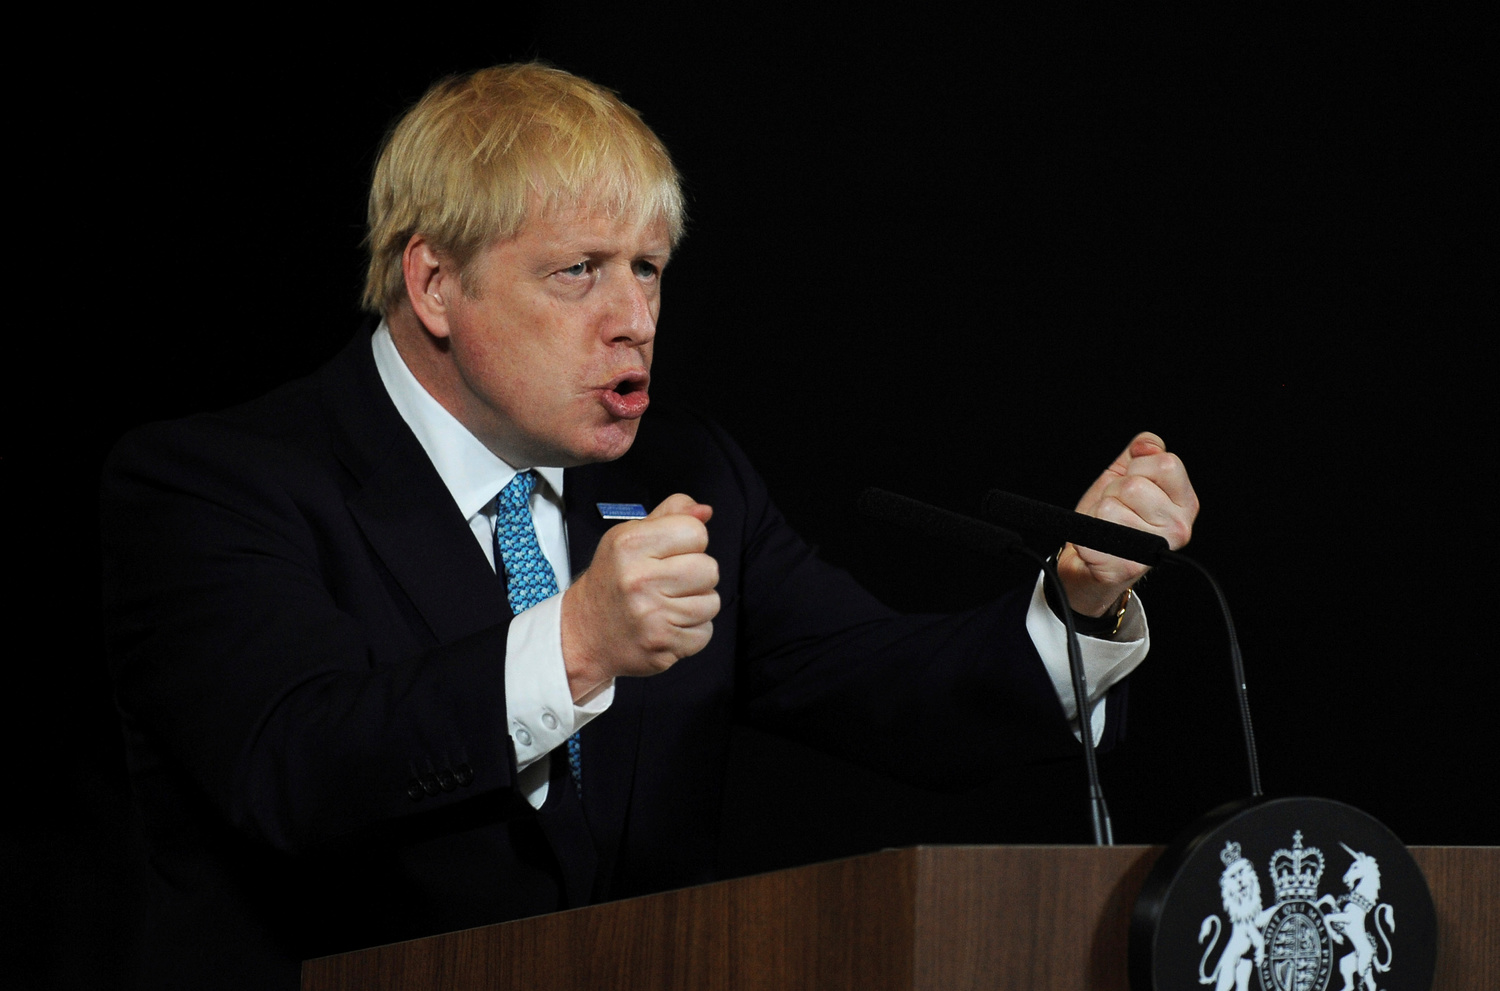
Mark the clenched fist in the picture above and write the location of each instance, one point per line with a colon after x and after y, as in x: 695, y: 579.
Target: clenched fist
x: 1146, y: 488
x: 646, y: 601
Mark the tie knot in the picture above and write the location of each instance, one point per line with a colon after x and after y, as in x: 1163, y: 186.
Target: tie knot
x: 517, y: 493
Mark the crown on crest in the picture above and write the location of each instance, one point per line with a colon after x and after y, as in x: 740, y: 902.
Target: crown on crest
x: 1296, y: 872
x: 1230, y: 854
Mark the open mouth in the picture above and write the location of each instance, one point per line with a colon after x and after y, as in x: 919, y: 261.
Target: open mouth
x: 626, y: 397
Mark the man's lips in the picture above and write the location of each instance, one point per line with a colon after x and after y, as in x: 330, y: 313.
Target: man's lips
x: 625, y: 396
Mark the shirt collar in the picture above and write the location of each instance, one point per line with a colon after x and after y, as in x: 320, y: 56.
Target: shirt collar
x: 471, y: 471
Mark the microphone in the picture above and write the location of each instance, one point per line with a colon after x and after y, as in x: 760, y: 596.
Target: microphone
x: 1065, y: 526
x: 944, y: 524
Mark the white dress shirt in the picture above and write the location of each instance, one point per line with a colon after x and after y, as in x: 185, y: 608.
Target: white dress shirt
x: 539, y: 704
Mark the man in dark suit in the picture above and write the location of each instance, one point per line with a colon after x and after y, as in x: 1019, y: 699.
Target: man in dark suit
x: 368, y: 698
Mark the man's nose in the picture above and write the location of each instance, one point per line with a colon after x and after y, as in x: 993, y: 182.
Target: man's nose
x: 632, y: 319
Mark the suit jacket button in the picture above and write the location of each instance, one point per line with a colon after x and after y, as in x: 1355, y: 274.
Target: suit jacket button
x: 464, y: 773
x: 430, y: 784
x: 445, y: 780
x: 414, y: 790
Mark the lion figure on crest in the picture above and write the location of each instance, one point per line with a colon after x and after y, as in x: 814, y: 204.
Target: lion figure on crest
x: 1240, y: 888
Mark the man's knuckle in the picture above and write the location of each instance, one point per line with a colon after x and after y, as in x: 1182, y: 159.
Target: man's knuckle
x: 629, y: 539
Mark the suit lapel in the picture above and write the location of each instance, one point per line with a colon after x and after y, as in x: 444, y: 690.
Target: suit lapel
x: 428, y: 547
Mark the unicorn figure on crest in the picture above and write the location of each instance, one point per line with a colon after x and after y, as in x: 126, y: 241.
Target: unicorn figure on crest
x: 1363, y: 881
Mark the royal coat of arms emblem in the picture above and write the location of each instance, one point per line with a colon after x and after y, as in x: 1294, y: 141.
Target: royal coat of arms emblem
x: 1290, y: 945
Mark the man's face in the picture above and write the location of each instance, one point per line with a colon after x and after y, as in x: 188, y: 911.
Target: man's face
x: 553, y: 352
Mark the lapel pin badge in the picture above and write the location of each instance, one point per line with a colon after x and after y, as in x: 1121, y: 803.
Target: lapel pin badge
x: 621, y: 510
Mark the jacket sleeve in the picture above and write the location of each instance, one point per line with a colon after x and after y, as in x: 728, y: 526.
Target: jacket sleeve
x: 939, y: 700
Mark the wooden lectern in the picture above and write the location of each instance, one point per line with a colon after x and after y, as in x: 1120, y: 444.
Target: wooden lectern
x: 1023, y: 917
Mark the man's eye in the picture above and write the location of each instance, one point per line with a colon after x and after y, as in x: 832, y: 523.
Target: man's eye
x: 646, y: 270
x: 577, y: 271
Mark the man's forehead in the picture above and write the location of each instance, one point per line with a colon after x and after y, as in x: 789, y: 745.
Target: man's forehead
x: 596, y: 226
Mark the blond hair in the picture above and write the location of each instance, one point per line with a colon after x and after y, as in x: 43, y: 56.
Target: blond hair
x: 467, y: 164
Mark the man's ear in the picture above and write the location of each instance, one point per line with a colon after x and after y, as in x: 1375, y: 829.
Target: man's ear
x: 431, y: 284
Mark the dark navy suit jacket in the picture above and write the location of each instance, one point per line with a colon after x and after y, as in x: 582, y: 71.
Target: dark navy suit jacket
x: 308, y: 652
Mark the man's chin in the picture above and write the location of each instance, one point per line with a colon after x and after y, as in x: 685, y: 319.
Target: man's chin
x: 605, y: 443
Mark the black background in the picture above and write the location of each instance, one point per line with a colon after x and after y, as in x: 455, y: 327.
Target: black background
x: 934, y: 254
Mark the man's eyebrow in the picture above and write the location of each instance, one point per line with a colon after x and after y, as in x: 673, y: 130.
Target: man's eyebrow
x: 591, y: 247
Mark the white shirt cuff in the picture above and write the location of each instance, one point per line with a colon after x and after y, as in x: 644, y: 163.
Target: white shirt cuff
x: 538, y: 702
x: 1105, y: 662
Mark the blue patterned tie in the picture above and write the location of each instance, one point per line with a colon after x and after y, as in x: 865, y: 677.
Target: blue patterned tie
x: 529, y: 578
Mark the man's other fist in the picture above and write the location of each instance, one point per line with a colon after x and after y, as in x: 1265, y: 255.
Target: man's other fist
x: 1146, y: 488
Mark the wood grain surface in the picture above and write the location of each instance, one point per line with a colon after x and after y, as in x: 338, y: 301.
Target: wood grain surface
x: 924, y: 918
